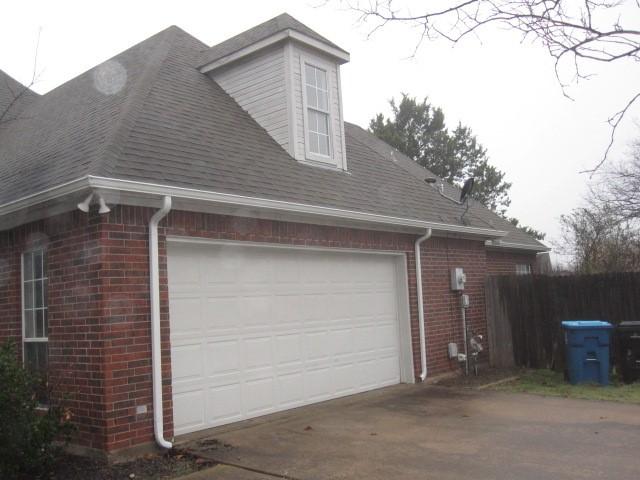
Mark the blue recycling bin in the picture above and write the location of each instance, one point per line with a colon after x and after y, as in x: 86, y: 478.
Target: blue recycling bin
x: 587, y: 350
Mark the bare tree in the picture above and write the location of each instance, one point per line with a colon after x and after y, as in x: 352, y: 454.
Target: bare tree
x: 575, y: 33
x: 599, y: 242
x: 620, y: 187
x: 13, y: 93
x: 605, y: 234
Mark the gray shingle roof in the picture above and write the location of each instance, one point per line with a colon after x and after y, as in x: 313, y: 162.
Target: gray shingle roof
x: 260, y: 32
x: 149, y: 115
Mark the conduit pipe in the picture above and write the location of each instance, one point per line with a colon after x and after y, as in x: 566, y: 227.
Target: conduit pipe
x: 156, y: 354
x: 465, y: 340
x: 423, y: 339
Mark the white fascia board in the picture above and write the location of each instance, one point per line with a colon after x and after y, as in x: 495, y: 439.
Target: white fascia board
x: 44, y: 196
x: 337, y: 53
x: 101, y: 183
x: 341, y: 55
x: 501, y: 244
x: 143, y: 189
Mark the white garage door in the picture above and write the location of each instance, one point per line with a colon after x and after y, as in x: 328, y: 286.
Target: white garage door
x: 255, y: 329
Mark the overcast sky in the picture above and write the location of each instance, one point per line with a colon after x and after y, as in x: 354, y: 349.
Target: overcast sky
x: 503, y: 89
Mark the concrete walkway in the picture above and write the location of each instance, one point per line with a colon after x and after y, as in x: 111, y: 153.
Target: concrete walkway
x: 430, y: 432
x: 226, y: 472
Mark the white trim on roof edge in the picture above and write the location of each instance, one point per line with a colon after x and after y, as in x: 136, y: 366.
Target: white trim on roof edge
x: 339, y: 54
x: 102, y: 183
x: 499, y: 243
x: 151, y: 189
x: 44, y: 195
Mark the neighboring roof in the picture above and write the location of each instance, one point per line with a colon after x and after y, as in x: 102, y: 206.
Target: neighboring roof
x: 13, y: 97
x: 260, y: 32
x: 149, y: 115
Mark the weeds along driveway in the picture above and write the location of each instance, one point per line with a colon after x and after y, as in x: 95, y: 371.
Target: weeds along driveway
x: 430, y: 432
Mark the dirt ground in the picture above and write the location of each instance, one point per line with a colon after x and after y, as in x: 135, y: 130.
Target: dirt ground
x: 170, y: 465
x: 485, y: 376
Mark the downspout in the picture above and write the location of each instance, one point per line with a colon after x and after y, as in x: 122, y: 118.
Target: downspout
x: 156, y: 354
x: 423, y: 340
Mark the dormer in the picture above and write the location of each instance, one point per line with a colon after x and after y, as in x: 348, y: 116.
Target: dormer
x: 287, y: 77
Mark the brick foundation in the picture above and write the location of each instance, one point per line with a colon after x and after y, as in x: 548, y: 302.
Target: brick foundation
x: 99, y: 340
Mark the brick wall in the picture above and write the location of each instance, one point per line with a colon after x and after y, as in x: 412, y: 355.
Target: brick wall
x: 442, y: 305
x: 504, y: 263
x: 99, y: 303
x: 72, y: 242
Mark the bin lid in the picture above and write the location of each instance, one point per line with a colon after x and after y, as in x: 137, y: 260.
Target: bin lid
x: 585, y: 324
x: 634, y: 324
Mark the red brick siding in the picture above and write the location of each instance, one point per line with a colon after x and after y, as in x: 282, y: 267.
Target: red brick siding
x: 504, y: 263
x: 99, y: 302
x: 76, y: 358
x: 442, y: 305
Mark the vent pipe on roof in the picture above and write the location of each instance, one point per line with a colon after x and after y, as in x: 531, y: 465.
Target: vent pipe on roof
x: 156, y: 352
x: 423, y: 337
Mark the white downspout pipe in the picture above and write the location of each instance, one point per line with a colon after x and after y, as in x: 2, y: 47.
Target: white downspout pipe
x: 156, y: 356
x: 423, y: 339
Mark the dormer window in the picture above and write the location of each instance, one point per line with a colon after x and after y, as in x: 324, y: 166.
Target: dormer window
x: 287, y: 77
x: 317, y: 116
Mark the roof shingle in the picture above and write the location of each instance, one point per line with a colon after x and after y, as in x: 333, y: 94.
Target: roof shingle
x: 158, y: 119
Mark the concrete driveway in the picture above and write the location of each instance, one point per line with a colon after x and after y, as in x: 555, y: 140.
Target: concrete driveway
x: 430, y: 432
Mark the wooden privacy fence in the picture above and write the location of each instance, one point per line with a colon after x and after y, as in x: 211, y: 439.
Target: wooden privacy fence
x: 524, y: 313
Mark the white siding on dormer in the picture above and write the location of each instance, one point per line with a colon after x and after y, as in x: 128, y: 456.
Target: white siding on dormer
x: 337, y: 125
x: 258, y: 85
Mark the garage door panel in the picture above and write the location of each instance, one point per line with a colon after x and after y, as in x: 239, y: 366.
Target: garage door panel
x: 223, y: 405
x: 187, y: 309
x: 257, y: 353
x: 290, y: 389
x: 318, y: 385
x: 188, y: 361
x: 223, y: 357
x: 342, y: 341
x: 277, y: 328
x: 189, y: 409
x: 259, y: 397
x: 289, y: 349
x: 221, y: 313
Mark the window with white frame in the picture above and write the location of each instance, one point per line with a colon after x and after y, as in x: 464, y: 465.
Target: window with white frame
x: 317, y: 111
x: 35, y: 324
x: 523, y: 269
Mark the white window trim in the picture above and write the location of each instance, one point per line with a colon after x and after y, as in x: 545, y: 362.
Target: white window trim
x: 22, y: 304
x: 523, y: 269
x: 309, y: 155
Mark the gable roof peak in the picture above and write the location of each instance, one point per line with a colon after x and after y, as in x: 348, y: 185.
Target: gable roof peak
x: 261, y: 33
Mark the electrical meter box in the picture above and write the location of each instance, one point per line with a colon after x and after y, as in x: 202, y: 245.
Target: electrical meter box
x: 464, y: 301
x: 458, y: 278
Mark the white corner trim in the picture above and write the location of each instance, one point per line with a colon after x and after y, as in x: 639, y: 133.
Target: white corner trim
x: 289, y: 80
x: 343, y: 145
x: 271, y: 40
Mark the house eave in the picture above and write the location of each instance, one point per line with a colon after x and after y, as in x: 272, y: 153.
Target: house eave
x: 117, y: 191
x: 502, y: 244
x: 289, y: 34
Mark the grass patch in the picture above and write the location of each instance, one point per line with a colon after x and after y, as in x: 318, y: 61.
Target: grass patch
x: 547, y: 382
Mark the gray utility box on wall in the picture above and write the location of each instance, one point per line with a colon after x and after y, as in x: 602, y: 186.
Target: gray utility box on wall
x: 458, y: 278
